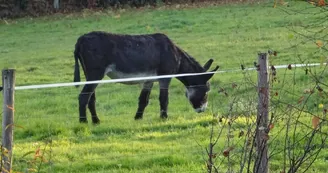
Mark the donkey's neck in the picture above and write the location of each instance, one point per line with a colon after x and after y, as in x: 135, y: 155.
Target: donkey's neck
x: 188, y: 64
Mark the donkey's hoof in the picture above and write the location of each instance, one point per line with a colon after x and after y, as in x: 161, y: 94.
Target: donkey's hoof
x: 83, y: 120
x: 138, y: 116
x: 95, y: 121
x: 164, y: 116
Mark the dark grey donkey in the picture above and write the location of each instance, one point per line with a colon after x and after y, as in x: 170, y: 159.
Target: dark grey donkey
x: 125, y: 56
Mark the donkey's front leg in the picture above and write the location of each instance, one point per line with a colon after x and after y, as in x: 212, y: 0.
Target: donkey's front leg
x: 164, y: 96
x: 143, y: 99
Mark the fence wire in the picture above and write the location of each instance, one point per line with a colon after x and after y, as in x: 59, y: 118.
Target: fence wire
x: 156, y: 77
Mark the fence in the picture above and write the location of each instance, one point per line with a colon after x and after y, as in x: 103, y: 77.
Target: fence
x: 263, y: 125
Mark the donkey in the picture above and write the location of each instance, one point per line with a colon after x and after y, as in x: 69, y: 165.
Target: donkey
x: 123, y: 56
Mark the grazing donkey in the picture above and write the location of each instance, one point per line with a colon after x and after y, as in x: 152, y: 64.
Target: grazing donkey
x: 124, y: 56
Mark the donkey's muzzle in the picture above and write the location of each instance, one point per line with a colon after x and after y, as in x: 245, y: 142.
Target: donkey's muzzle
x: 202, y: 108
x: 199, y: 110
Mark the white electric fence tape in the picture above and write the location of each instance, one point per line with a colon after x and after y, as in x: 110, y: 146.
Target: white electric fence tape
x: 148, y: 78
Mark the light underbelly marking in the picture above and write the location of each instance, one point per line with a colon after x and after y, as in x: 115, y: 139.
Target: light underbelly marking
x: 113, y: 73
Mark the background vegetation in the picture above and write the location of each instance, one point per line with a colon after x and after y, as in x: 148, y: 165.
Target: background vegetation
x: 48, y: 137
x: 16, y: 8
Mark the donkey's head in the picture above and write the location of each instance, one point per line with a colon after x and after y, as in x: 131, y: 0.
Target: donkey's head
x: 198, y: 88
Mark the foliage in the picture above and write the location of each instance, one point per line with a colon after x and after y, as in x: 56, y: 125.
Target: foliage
x: 40, y: 49
x: 298, y: 111
x: 295, y: 132
x: 20, y: 8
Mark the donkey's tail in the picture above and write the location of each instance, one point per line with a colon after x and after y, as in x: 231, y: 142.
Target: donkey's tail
x: 76, y: 68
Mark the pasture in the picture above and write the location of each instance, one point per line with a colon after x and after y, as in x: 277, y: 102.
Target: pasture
x: 41, y: 51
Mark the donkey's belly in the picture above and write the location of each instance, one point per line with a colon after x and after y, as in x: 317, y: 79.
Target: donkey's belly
x: 113, y: 73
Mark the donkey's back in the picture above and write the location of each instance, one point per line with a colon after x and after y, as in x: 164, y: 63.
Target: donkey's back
x: 120, y: 56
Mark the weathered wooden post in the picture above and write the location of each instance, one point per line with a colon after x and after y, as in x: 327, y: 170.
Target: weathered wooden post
x: 261, y: 164
x: 8, y: 81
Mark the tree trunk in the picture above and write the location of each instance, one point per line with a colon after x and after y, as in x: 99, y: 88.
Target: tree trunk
x: 56, y: 4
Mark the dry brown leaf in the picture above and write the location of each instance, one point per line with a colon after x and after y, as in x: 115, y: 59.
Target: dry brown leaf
x: 321, y: 3
x: 315, y: 122
x: 226, y: 152
x: 11, y: 108
x: 300, y: 100
x: 319, y: 43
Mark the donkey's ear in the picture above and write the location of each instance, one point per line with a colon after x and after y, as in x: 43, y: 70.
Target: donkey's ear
x: 208, y: 64
x: 216, y: 68
x: 209, y: 76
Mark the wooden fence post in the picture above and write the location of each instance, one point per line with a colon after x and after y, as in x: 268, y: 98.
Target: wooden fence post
x: 261, y: 163
x: 8, y: 82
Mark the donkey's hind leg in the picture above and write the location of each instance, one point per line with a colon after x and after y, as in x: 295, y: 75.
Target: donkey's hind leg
x: 88, y: 97
x: 143, y: 99
x: 92, y: 108
x: 84, y: 97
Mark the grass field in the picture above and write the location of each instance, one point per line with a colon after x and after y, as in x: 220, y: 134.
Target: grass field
x: 40, y: 49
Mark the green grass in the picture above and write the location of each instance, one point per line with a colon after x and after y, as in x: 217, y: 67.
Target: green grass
x: 40, y: 49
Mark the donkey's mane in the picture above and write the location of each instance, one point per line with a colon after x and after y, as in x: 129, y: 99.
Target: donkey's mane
x: 192, y: 65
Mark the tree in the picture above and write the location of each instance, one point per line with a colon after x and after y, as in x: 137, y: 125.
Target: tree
x: 56, y: 4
